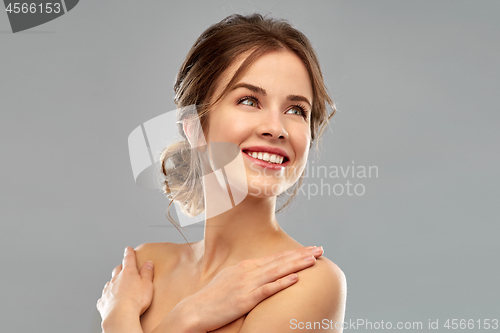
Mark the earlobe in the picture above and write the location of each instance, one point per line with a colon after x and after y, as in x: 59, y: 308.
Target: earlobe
x: 186, y: 130
x: 194, y: 134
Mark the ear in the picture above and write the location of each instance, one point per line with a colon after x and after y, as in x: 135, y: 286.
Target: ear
x: 192, y: 130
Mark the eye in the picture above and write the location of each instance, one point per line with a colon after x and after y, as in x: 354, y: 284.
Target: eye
x: 299, y: 110
x: 249, y: 100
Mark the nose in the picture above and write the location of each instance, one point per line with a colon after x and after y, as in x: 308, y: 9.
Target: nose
x: 272, y: 126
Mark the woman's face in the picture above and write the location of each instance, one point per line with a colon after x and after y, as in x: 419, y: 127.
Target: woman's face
x: 267, y: 115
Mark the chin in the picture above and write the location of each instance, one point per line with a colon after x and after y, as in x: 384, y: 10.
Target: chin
x: 265, y: 188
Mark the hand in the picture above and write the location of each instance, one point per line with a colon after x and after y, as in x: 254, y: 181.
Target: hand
x: 236, y: 290
x: 129, y: 293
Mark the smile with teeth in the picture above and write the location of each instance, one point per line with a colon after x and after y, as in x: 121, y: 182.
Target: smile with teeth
x: 271, y: 158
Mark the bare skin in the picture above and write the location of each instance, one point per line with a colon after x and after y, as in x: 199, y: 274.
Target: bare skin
x: 249, y: 230
x: 220, y: 305
x: 175, y: 279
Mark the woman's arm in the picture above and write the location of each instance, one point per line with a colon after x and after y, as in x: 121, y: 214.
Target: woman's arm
x: 236, y: 290
x: 129, y: 294
x: 316, y: 303
x: 126, y: 296
x: 126, y: 321
x: 122, y: 321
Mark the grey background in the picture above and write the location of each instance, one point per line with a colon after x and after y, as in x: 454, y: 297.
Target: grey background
x: 416, y: 83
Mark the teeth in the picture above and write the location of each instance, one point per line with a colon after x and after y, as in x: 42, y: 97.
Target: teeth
x: 271, y: 158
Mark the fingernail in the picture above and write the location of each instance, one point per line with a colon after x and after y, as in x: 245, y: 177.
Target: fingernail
x: 310, y: 247
x: 126, y: 250
x: 317, y: 250
x: 309, y: 259
x: 149, y: 264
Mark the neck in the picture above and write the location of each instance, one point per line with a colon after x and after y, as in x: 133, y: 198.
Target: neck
x: 242, y: 232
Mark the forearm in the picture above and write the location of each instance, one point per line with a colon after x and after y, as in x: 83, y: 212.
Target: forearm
x: 122, y: 323
x: 179, y: 320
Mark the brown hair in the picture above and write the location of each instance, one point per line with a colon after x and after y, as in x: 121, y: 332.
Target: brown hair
x: 212, y: 53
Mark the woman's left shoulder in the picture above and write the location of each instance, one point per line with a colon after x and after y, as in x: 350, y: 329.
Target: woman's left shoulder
x: 324, y: 273
x: 323, y: 270
x: 319, y: 295
x: 328, y: 268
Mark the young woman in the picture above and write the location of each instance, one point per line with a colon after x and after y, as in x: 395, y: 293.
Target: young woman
x: 257, y: 86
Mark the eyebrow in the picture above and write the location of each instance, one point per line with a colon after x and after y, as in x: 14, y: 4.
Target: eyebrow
x: 262, y: 91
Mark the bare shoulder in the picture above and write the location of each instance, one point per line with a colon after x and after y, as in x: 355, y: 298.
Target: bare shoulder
x: 318, y: 296
x: 163, y: 255
x: 325, y: 272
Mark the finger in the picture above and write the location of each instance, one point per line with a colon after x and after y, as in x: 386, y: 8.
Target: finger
x: 99, y: 304
x: 129, y: 260
x: 284, y: 266
x: 147, y: 271
x: 116, y: 270
x: 272, y: 288
x: 295, y: 252
x: 105, y: 286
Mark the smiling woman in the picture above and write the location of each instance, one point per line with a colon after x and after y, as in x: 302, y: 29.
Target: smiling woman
x: 257, y: 86
x: 268, y: 123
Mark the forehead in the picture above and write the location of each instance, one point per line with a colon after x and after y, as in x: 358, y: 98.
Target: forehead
x: 280, y: 73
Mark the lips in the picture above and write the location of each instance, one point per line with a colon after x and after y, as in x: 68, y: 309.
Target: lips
x: 265, y: 164
x: 267, y: 149
x: 270, y: 150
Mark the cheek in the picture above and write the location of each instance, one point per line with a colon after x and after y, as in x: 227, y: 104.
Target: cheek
x: 302, y: 159
x: 230, y: 127
x: 301, y: 141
